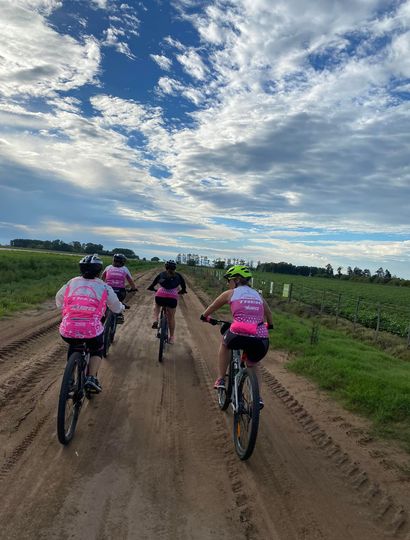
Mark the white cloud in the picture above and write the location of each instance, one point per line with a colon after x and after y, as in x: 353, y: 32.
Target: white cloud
x: 192, y: 64
x: 163, y: 61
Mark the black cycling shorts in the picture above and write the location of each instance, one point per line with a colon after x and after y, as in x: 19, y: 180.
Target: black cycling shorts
x: 254, y: 347
x: 166, y: 302
x: 95, y: 344
x: 121, y: 293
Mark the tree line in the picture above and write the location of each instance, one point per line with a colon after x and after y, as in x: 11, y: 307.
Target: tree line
x: 72, y: 247
x: 354, y: 274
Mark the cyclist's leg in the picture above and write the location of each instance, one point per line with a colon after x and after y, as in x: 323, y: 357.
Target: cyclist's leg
x: 157, y: 307
x: 171, y: 322
x: 96, y: 349
x: 224, y: 356
x: 256, y: 349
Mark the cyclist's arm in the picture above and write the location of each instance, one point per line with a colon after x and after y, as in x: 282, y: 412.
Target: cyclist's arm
x: 60, y: 296
x: 268, y: 312
x: 131, y: 282
x: 182, y: 284
x: 156, y: 280
x: 218, y: 303
x: 112, y: 301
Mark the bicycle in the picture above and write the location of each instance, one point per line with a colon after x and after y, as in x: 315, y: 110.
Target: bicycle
x: 242, y: 393
x: 162, y: 333
x: 110, y: 327
x: 72, y: 392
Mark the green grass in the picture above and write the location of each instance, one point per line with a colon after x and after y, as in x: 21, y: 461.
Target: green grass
x: 29, y: 278
x: 364, y: 379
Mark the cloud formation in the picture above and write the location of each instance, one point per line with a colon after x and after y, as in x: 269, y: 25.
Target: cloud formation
x: 277, y: 133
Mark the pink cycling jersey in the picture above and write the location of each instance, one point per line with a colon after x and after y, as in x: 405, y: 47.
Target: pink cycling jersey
x: 248, y: 313
x: 116, y: 276
x: 83, y: 308
x: 167, y: 293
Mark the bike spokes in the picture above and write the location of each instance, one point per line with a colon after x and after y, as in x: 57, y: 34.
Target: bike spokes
x: 246, y: 418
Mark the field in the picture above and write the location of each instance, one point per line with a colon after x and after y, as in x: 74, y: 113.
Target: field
x: 28, y: 278
x: 381, y: 307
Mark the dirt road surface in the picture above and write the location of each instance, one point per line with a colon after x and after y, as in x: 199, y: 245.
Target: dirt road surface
x: 152, y: 457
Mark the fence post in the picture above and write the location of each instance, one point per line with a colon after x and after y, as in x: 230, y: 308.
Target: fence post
x: 322, y: 304
x: 356, y: 313
x: 290, y: 292
x: 338, y: 306
x: 376, y: 335
x: 271, y: 288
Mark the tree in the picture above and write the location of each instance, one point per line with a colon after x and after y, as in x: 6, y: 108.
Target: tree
x: 339, y: 271
x: 155, y: 259
x: 219, y: 263
x: 329, y: 270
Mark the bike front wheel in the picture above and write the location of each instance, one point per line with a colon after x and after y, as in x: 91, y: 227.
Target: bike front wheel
x: 108, y: 337
x: 163, y: 336
x: 70, y: 399
x: 246, y: 418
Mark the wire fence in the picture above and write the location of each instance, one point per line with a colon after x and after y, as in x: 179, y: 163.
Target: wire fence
x: 381, y: 317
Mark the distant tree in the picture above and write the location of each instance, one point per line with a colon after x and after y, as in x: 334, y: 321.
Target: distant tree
x: 93, y: 248
x: 329, y: 270
x: 349, y: 271
x: 366, y: 273
x: 129, y: 253
x: 339, y: 271
x: 379, y: 273
x: 219, y: 263
x: 387, y: 275
x: 154, y: 259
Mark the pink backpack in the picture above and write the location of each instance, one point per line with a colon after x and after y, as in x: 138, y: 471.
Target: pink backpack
x: 82, y: 312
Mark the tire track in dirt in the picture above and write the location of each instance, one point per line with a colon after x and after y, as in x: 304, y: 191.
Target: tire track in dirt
x: 390, y: 514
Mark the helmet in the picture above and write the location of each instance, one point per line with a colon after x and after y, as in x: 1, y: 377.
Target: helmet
x: 238, y: 271
x: 171, y: 265
x: 91, y: 266
x: 119, y: 259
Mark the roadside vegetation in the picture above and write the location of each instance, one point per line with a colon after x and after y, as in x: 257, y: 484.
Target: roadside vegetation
x: 28, y: 278
x: 355, y: 371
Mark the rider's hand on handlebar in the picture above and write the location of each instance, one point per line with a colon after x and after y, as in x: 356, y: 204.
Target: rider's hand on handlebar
x: 183, y: 291
x: 203, y: 318
x: 151, y: 288
x: 269, y: 326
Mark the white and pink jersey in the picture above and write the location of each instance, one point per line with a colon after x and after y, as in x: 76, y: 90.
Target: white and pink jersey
x: 116, y: 276
x: 167, y: 293
x: 248, y: 312
x: 84, y: 302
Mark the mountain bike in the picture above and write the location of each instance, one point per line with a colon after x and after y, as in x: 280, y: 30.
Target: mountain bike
x: 162, y: 333
x: 110, y: 327
x: 72, y: 392
x: 242, y: 393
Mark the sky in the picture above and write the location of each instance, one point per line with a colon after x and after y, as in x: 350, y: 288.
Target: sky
x: 268, y: 130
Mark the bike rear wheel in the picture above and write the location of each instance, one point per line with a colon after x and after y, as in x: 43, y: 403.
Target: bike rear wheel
x: 163, y: 336
x: 246, y: 418
x: 70, y: 399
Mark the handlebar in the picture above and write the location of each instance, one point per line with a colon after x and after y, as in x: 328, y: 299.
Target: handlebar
x: 214, y: 322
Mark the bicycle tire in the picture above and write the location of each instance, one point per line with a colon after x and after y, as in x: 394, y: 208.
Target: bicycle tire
x: 113, y: 327
x: 246, y: 419
x: 71, y: 389
x: 107, y: 334
x: 163, y: 334
x: 224, y: 394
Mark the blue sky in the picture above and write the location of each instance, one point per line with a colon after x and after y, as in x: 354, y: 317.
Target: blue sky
x: 271, y: 130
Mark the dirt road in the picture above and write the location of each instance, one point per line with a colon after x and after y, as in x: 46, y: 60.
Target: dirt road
x: 152, y: 457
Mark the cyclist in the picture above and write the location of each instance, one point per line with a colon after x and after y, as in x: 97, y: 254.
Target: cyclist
x: 247, y: 331
x: 83, y: 301
x: 115, y: 275
x: 171, y: 284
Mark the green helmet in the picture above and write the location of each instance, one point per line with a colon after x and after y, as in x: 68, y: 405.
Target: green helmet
x: 238, y: 271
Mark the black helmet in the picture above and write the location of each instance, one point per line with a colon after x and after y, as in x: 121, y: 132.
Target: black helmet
x: 119, y: 259
x: 171, y: 265
x: 91, y: 266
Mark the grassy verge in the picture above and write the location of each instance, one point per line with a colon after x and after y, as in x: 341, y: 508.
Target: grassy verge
x: 363, y: 378
x: 27, y: 279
